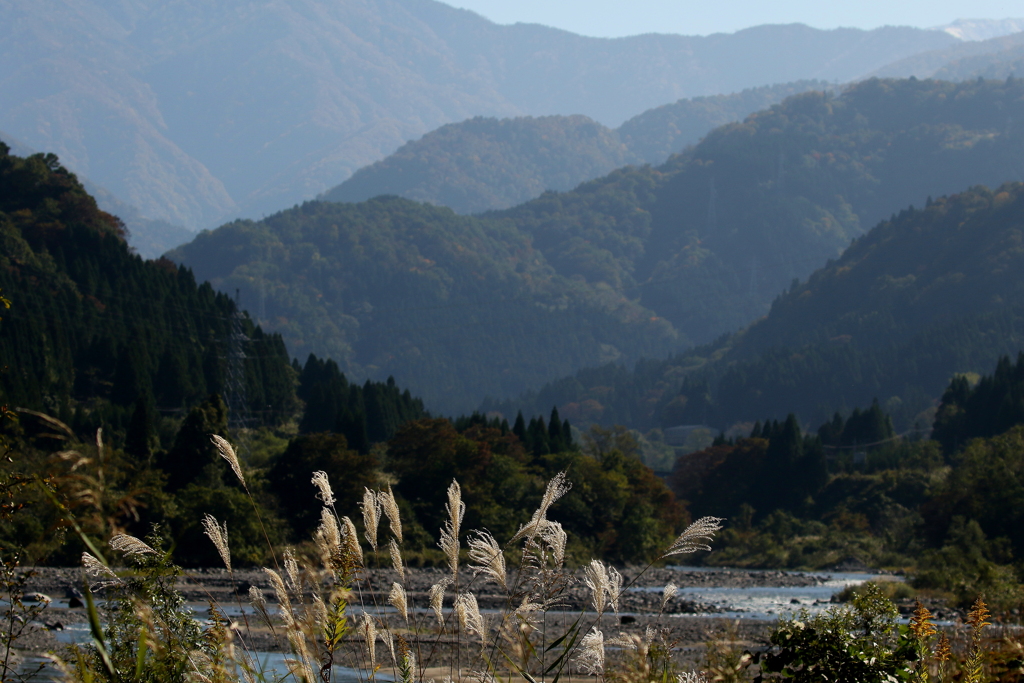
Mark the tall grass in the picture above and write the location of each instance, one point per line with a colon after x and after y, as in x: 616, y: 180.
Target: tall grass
x: 332, y: 608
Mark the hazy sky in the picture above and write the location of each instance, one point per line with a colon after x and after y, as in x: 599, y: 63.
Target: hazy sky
x: 611, y: 18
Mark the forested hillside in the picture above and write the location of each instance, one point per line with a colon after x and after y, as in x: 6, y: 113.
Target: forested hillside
x: 115, y: 375
x: 94, y: 322
x: 932, y: 292
x: 687, y: 251
x: 457, y: 306
x: 483, y: 164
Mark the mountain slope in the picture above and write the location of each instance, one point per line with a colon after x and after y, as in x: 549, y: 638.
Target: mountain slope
x: 930, y: 293
x: 931, y: 63
x: 452, y: 306
x: 621, y: 267
x: 94, y: 328
x: 484, y: 164
x: 194, y: 111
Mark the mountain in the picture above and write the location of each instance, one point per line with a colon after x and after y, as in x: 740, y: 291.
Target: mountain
x: 149, y: 238
x: 927, y: 294
x: 982, y: 29
x: 194, y: 112
x: 484, y: 164
x: 955, y: 62
x: 453, y: 306
x: 634, y: 264
x: 94, y: 328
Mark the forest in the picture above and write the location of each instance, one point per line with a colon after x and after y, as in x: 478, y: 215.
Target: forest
x: 118, y: 370
x: 637, y: 264
x: 927, y: 294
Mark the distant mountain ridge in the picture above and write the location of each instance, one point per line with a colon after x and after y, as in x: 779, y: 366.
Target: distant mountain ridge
x: 194, y: 112
x: 637, y: 263
x: 487, y: 164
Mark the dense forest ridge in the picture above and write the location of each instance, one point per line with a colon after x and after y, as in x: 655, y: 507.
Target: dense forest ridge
x: 638, y: 263
x: 485, y: 164
x: 927, y: 294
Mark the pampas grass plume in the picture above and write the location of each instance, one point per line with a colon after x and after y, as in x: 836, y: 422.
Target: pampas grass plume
x: 130, y: 546
x: 219, y: 536
x: 228, y: 453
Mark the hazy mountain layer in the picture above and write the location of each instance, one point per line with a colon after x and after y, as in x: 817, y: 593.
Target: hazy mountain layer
x: 484, y: 164
x: 932, y: 63
x: 930, y: 293
x: 634, y: 263
x: 195, y: 111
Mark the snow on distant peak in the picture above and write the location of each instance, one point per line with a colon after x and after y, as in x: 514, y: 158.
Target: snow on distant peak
x: 982, y: 29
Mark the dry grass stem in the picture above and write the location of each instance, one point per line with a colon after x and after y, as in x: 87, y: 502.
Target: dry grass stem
x: 323, y: 485
x: 219, y: 536
x: 696, y: 537
x: 487, y: 557
x: 130, y: 546
x: 228, y: 453
x: 399, y: 600
x: 396, y: 559
x: 390, y: 507
x: 371, y: 517
x: 437, y: 598
x: 590, y: 658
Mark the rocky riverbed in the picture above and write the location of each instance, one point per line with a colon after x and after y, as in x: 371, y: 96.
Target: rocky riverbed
x: 688, y: 624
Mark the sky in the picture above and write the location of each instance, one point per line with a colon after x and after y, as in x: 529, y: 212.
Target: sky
x: 615, y: 18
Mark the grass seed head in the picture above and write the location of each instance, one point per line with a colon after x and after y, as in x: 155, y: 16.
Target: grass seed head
x: 130, y: 546
x: 371, y: 517
x: 228, y: 453
x: 323, y: 485
x: 696, y: 537
x: 590, y: 659
x: 219, y: 536
x: 390, y: 507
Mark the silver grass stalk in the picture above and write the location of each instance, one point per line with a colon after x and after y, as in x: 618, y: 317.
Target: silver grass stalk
x: 282, y: 596
x: 696, y: 537
x: 97, y: 569
x: 596, y: 577
x: 219, y: 536
x: 556, y: 488
x: 554, y: 537
x: 614, y: 588
x: 487, y: 557
x: 590, y: 659
x: 319, y: 610
x: 291, y: 570
x: 328, y: 536
x: 130, y: 546
x: 666, y: 596
x: 228, y: 453
x: 399, y: 600
x: 455, y: 507
x: 351, y: 540
x: 259, y: 603
x: 468, y: 612
x: 390, y: 507
x: 369, y: 629
x: 437, y: 598
x: 323, y: 485
x: 396, y: 558
x: 371, y: 517
x: 449, y: 543
x: 389, y: 640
